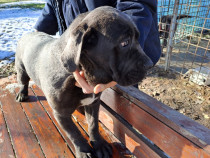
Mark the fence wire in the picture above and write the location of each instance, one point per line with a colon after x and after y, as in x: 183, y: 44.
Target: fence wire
x: 190, y: 36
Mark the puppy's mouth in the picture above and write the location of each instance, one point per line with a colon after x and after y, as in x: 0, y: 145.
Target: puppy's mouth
x: 86, y: 75
x: 94, y: 73
x: 95, y: 76
x: 131, y: 78
x: 90, y: 80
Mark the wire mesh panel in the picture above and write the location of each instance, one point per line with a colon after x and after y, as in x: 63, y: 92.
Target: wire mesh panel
x: 190, y: 37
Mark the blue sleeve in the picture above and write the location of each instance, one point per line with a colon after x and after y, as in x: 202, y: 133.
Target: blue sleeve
x: 144, y: 15
x: 47, y: 21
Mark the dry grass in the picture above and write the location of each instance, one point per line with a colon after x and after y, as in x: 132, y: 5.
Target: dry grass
x: 9, y: 1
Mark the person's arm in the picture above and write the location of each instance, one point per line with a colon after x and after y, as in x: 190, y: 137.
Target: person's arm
x: 47, y: 21
x: 144, y: 15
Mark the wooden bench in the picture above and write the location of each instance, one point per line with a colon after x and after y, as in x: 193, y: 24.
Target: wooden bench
x: 134, y: 123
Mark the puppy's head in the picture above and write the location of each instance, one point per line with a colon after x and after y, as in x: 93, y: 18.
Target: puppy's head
x: 104, y: 43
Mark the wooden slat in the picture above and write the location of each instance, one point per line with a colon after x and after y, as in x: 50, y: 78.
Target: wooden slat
x: 80, y: 118
x: 167, y: 139
x: 174, y: 137
x: 39, y: 94
x: 23, y: 138
x: 192, y: 130
x: 5, y: 144
x: 49, y: 138
x: 132, y: 142
x: 118, y: 150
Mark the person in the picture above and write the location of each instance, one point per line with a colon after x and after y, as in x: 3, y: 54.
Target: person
x: 57, y: 15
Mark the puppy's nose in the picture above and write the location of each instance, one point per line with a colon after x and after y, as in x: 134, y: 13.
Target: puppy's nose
x: 148, y: 64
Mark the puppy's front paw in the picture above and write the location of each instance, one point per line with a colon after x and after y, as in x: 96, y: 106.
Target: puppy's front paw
x: 102, y: 149
x: 21, y: 97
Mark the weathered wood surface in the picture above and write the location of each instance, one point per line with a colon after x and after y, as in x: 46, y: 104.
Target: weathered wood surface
x: 126, y: 136
x: 159, y: 123
x: 29, y: 129
x: 5, y: 144
x: 22, y: 137
x: 49, y: 138
x: 119, y: 150
x: 145, y: 126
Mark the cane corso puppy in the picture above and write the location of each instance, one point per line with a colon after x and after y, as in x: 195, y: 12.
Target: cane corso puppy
x: 104, y: 44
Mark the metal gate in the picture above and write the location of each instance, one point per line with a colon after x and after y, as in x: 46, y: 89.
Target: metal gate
x: 184, y: 27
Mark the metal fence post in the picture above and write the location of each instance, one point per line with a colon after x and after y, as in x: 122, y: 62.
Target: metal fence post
x: 171, y: 35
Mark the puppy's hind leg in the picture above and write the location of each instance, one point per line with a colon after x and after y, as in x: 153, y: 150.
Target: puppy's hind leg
x: 23, y: 80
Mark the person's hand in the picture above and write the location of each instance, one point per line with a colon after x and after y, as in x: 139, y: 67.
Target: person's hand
x: 86, y: 88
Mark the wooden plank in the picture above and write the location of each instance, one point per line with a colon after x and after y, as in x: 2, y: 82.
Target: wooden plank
x: 167, y: 139
x: 39, y: 94
x: 127, y: 137
x: 192, y: 130
x: 24, y: 141
x: 6, y: 149
x: 49, y: 138
x: 119, y: 150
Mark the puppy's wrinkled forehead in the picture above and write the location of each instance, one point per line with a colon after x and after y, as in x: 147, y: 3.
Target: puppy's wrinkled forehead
x: 111, y: 22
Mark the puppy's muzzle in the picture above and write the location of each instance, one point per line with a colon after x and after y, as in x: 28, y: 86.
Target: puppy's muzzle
x: 148, y: 64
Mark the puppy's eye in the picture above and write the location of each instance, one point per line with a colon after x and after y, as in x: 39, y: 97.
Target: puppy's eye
x: 124, y: 43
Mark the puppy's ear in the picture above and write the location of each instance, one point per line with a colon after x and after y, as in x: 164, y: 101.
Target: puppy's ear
x: 71, y: 54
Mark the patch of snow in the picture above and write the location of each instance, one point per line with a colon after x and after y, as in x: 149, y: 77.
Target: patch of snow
x: 21, y: 3
x: 11, y: 87
x: 5, y: 62
x: 12, y: 58
x: 14, y: 23
x: 5, y: 54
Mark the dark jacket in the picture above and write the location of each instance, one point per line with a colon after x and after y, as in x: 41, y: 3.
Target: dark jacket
x: 57, y: 15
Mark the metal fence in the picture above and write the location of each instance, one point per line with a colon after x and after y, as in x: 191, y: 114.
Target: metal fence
x: 184, y: 27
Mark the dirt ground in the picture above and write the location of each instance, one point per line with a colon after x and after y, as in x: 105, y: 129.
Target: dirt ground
x: 168, y: 87
x: 179, y: 93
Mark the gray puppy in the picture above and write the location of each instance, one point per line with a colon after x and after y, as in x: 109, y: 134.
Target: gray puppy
x: 104, y: 44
